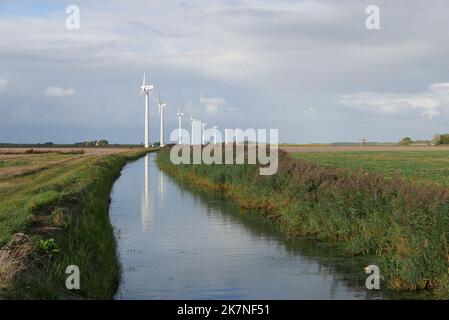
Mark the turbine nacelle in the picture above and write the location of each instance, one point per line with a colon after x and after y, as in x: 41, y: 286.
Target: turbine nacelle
x: 161, y: 104
x: 146, y: 88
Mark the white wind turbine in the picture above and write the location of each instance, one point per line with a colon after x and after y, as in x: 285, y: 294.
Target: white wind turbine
x: 191, y: 130
x: 161, y: 106
x: 146, y: 89
x: 180, y: 115
x: 203, y: 136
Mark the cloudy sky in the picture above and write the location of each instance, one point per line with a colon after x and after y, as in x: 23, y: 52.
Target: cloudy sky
x: 309, y: 68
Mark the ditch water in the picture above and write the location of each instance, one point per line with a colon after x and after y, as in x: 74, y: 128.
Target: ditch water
x: 177, y: 243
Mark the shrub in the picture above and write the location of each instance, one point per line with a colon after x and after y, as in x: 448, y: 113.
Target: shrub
x: 441, y: 139
x: 406, y: 141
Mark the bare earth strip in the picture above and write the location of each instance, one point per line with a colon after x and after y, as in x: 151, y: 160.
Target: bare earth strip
x: 11, y: 152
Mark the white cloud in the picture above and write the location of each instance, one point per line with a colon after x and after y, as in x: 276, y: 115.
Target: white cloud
x: 212, y: 104
x: 256, y: 51
x: 308, y: 110
x: 3, y: 84
x: 59, y: 92
x: 440, y: 87
x: 428, y: 103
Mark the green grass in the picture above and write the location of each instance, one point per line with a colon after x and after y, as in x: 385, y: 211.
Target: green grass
x: 64, y: 203
x: 416, y: 166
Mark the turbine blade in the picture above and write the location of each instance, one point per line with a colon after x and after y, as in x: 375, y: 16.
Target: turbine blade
x: 143, y: 82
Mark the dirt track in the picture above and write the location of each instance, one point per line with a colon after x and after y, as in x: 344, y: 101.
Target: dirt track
x: 292, y: 149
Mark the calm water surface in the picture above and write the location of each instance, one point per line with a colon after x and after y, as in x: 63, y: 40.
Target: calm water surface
x: 175, y: 243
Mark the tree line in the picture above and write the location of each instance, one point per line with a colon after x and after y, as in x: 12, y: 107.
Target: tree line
x: 437, y: 139
x: 93, y: 143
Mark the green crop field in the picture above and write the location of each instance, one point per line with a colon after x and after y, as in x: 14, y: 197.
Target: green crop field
x: 419, y: 166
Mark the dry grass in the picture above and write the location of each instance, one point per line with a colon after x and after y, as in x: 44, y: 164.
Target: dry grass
x: 32, y: 167
x: 15, y: 257
x: 68, y: 150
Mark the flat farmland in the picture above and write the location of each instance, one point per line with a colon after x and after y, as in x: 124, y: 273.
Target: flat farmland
x: 427, y: 164
x: 53, y: 209
x: 63, y: 150
x: 27, y: 177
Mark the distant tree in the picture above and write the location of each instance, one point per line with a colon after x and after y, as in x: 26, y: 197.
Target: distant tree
x: 435, y: 139
x: 103, y: 143
x: 406, y: 141
x: 439, y: 139
x: 48, y: 143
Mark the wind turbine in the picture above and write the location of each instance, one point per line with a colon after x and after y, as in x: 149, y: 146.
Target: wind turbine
x: 203, y: 126
x: 191, y: 133
x: 215, y: 134
x: 146, y: 89
x: 364, y: 141
x: 161, y: 106
x: 180, y: 115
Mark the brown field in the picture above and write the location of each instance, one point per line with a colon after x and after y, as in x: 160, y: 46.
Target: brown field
x: 16, y: 161
x: 327, y: 148
x: 87, y: 151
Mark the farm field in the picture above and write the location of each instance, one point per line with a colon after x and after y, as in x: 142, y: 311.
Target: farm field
x: 24, y: 177
x: 49, y: 190
x: 428, y: 165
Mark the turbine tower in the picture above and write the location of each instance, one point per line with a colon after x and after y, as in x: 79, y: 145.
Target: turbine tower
x: 215, y: 134
x: 226, y: 134
x: 161, y: 106
x: 191, y: 133
x: 146, y: 89
x: 180, y: 115
x: 203, y: 136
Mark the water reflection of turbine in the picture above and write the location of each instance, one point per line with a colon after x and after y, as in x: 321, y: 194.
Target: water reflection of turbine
x: 146, y: 204
x: 161, y: 190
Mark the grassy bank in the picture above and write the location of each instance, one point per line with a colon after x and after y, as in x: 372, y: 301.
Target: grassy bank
x: 54, y: 213
x: 403, y: 226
